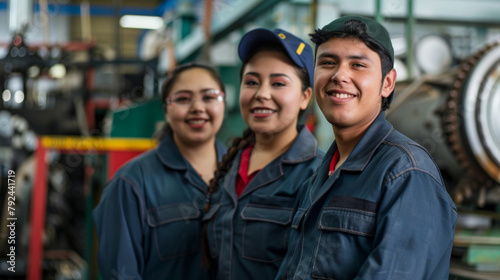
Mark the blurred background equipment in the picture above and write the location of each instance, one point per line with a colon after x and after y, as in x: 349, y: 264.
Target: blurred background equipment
x: 453, y: 112
x: 454, y: 115
x: 76, y: 73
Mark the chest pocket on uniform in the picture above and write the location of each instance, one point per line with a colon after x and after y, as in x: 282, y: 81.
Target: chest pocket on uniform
x: 176, y: 229
x: 346, y: 234
x: 265, y: 234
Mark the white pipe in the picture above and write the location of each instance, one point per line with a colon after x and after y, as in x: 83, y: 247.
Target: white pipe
x: 20, y: 14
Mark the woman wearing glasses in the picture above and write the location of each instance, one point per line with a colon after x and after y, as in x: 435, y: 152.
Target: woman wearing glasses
x: 149, y: 219
x: 256, y: 189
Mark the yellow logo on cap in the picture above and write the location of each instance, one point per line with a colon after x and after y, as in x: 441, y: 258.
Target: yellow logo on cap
x: 300, y: 48
x: 282, y: 36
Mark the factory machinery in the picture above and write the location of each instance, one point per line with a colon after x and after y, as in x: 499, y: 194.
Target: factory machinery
x: 455, y: 115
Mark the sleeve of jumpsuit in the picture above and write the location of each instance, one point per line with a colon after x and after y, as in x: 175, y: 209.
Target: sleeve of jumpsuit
x: 414, y: 232
x: 119, y: 222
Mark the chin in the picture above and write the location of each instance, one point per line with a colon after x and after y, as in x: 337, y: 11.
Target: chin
x: 198, y: 139
x: 261, y: 129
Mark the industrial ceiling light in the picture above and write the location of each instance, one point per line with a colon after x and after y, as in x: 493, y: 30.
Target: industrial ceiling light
x: 141, y: 22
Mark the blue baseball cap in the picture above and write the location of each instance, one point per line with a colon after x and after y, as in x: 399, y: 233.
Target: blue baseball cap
x: 297, y: 49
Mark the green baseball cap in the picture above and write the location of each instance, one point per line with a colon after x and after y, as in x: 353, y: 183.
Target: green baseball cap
x: 374, y: 29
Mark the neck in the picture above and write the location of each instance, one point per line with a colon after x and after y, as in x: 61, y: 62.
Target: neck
x: 346, y: 140
x: 348, y: 137
x: 275, y: 143
x: 268, y: 147
x: 345, y: 144
x: 202, y: 157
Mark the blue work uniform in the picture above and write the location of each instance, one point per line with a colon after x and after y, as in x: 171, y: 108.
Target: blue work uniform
x: 149, y: 218
x: 248, y: 235
x: 383, y: 214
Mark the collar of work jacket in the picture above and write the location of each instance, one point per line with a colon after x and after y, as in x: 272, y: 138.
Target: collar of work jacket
x: 304, y: 148
x: 170, y: 155
x: 369, y: 142
x: 359, y: 157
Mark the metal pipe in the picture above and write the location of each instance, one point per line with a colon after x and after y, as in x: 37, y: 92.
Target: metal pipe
x: 37, y: 218
x: 410, y: 30
x: 207, y: 29
x: 85, y: 21
x: 44, y: 16
x: 20, y: 14
x: 117, y: 39
x: 378, y: 11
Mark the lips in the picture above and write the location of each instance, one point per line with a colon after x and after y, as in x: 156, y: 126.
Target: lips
x: 340, y: 96
x: 197, y: 122
x: 262, y: 112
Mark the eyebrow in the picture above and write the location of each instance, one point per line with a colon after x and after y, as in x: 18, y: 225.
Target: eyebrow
x: 192, y: 92
x: 274, y: 75
x: 351, y: 57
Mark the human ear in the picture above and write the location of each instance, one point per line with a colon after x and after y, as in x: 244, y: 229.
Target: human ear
x: 306, y: 96
x: 389, y: 83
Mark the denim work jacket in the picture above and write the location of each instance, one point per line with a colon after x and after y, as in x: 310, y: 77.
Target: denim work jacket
x: 248, y: 236
x: 383, y: 214
x: 149, y: 219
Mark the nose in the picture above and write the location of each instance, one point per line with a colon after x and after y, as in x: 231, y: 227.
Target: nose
x: 340, y: 75
x: 197, y: 105
x: 263, y: 92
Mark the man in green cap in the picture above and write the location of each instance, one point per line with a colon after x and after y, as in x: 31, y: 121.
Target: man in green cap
x: 377, y: 207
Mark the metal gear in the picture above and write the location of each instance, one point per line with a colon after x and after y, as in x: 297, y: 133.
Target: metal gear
x: 472, y: 117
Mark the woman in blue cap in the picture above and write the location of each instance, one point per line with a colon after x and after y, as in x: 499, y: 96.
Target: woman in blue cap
x: 254, y: 196
x: 149, y: 219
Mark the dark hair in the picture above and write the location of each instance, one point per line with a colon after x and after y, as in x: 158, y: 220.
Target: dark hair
x: 301, y: 72
x: 273, y: 47
x: 170, y: 82
x: 247, y: 138
x: 248, y: 135
x: 223, y: 167
x: 239, y: 143
x: 358, y: 30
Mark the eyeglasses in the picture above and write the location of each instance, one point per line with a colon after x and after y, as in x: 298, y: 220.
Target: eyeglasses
x: 186, y: 98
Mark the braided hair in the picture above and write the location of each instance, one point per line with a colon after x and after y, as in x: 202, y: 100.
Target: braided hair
x: 248, y: 136
x: 240, y: 143
x: 223, y: 167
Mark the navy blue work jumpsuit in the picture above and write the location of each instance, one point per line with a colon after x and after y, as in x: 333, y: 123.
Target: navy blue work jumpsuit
x: 248, y: 235
x: 383, y: 214
x: 149, y: 218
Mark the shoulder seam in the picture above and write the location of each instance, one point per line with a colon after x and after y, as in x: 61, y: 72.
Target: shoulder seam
x: 412, y: 169
x: 137, y: 191
x: 407, y: 152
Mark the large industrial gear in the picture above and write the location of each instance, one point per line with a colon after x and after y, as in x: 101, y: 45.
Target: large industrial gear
x: 472, y: 117
x: 454, y: 116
